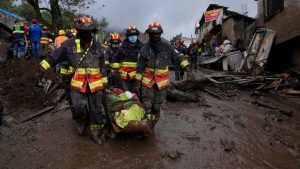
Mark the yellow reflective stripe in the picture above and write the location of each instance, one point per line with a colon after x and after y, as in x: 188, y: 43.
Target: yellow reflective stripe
x: 18, y: 31
x: 78, y: 48
x: 45, y: 65
x: 129, y: 64
x: 163, y: 83
x: 132, y: 73
x: 138, y: 76
x: 104, y: 80
x: 158, y: 71
x: 91, y: 71
x: 107, y: 62
x: 76, y: 83
x: 63, y: 71
x: 115, y: 65
x: 146, y: 80
x: 96, y: 84
x: 70, y: 70
x: 184, y: 64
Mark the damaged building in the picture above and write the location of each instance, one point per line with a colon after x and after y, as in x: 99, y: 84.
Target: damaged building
x: 281, y: 16
x: 238, y: 28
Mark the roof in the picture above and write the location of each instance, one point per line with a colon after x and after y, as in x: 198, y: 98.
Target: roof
x: 10, y: 14
x: 226, y: 11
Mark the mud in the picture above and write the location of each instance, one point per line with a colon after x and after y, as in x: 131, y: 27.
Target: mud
x: 217, y: 133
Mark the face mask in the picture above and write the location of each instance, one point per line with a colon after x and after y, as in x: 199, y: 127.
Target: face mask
x: 154, y: 38
x: 132, y: 38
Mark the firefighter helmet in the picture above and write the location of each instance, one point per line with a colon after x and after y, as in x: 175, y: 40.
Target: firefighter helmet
x: 85, y: 23
x: 154, y: 28
x: 115, y: 38
x: 132, y: 30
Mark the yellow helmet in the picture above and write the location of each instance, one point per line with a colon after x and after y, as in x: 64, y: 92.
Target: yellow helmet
x: 61, y: 32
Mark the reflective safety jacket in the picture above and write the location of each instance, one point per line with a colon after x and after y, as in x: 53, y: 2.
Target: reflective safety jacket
x: 153, y: 61
x: 127, y: 58
x: 110, y: 56
x: 45, y: 37
x: 90, y: 73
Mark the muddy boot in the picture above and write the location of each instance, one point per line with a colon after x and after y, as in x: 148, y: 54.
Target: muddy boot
x: 81, y: 129
x: 95, y: 131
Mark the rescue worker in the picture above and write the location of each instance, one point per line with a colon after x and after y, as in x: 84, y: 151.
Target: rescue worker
x: 110, y: 55
x: 60, y: 39
x: 193, y: 52
x: 89, y: 76
x: 127, y: 58
x: 35, y: 33
x: 153, y: 73
x: 181, y: 48
x: 19, y: 39
x: 46, y: 36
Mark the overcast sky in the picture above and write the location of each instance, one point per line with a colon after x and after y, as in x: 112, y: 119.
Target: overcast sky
x: 176, y: 16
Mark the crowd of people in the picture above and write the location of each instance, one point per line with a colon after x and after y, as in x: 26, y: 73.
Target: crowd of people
x: 36, y: 40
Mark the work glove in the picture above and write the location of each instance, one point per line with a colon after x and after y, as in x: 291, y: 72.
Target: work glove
x: 128, y: 94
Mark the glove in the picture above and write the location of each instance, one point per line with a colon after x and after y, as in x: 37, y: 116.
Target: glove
x: 128, y: 94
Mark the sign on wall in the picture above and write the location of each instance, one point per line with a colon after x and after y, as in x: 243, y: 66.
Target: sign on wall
x: 212, y: 15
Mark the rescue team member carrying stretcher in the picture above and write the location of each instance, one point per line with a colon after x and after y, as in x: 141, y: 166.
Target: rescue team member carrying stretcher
x: 84, y: 55
x: 153, y: 73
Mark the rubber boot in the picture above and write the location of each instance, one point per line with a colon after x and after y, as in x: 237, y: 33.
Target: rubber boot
x: 95, y: 131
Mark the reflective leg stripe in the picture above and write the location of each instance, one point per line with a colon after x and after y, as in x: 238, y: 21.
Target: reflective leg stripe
x: 45, y: 65
x: 184, y: 64
x: 96, y: 127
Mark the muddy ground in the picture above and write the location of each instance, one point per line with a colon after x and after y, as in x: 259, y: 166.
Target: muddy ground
x: 220, y: 132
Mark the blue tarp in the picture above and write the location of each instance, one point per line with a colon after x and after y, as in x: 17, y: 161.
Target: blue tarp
x: 10, y: 14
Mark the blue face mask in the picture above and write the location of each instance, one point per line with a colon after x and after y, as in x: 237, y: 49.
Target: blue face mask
x: 132, y: 38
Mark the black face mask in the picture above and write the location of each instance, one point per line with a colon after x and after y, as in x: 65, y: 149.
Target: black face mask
x: 114, y: 45
x: 85, y: 36
x: 154, y: 38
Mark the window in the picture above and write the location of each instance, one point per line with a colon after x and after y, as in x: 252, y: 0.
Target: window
x: 272, y: 7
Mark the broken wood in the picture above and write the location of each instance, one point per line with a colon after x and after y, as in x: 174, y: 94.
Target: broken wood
x: 188, y: 84
x: 41, y: 112
x: 212, y: 93
x: 262, y: 104
x: 177, y: 95
x: 60, y: 93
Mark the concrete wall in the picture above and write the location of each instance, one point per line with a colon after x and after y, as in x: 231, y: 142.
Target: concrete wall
x: 286, y: 23
x: 227, y: 30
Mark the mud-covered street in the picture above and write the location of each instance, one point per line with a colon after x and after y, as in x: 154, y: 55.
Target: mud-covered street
x: 218, y: 132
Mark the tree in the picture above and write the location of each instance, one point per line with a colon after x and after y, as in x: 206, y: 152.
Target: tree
x: 56, y: 8
x: 7, y: 4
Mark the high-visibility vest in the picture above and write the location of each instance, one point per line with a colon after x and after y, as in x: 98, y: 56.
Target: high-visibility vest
x: 18, y: 28
x: 157, y: 76
x: 59, y: 40
x: 128, y: 69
